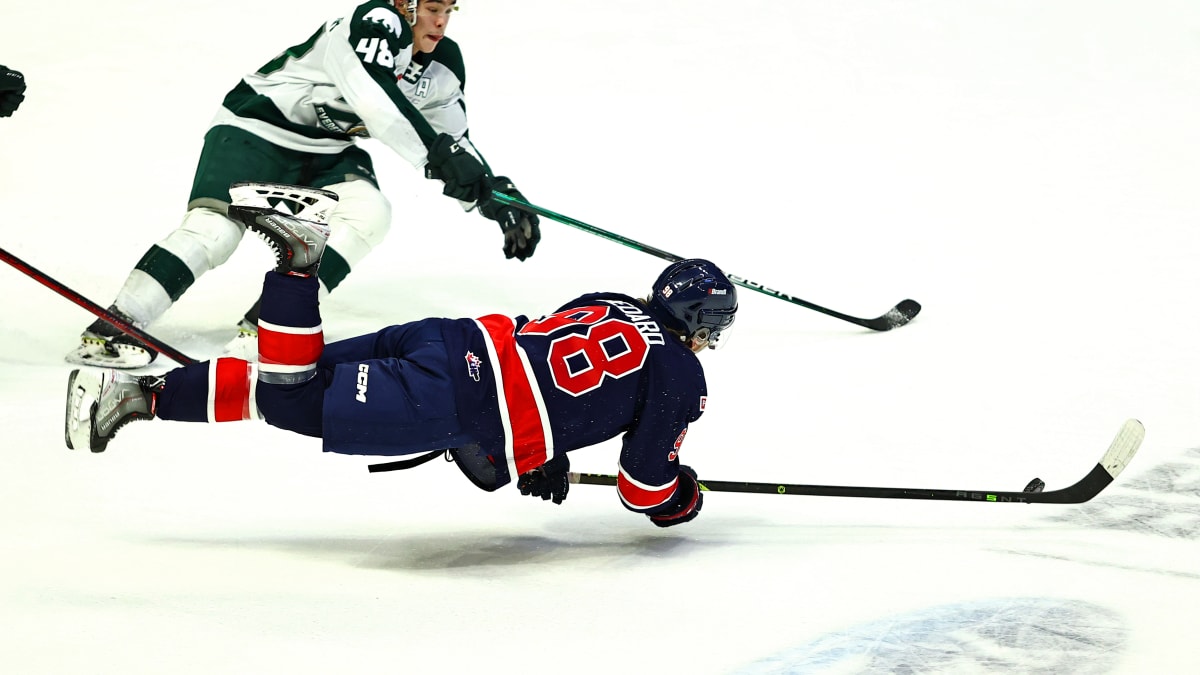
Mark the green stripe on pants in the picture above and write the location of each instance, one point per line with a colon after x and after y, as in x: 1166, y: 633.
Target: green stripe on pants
x: 168, y: 270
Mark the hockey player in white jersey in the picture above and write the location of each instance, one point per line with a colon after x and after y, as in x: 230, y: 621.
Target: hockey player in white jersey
x: 385, y: 70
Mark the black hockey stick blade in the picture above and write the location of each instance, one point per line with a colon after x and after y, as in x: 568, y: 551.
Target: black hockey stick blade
x: 1119, y: 453
x: 894, y: 318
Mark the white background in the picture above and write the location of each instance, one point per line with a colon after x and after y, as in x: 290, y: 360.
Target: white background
x: 1026, y: 170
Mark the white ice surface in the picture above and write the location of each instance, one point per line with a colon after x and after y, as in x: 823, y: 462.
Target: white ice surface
x: 1026, y: 170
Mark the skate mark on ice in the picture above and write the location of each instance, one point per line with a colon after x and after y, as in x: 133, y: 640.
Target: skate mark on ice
x: 1006, y: 635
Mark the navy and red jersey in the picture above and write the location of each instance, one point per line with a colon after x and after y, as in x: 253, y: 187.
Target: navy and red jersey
x: 508, y: 394
x: 505, y: 394
x: 597, y: 368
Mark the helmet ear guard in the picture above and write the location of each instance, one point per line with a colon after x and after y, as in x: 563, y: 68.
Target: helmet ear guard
x: 411, y: 11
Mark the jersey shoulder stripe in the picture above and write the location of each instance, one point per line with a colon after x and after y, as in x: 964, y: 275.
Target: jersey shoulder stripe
x: 449, y: 55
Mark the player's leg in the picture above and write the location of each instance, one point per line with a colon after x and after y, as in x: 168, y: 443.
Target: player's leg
x: 290, y: 341
x: 360, y: 223
x: 205, y: 239
x: 394, y: 393
x: 290, y: 388
x: 362, y: 219
x: 100, y: 402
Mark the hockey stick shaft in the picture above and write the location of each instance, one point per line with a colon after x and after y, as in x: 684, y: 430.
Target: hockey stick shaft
x: 126, y: 327
x: 899, y: 315
x: 1122, y: 449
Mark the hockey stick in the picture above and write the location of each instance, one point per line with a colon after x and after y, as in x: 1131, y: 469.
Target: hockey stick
x: 126, y: 327
x: 893, y: 318
x: 1123, y: 447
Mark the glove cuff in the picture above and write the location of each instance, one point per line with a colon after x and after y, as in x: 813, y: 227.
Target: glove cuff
x: 684, y: 505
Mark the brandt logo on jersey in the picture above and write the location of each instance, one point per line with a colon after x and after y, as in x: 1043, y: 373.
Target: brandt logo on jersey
x: 387, y: 18
x: 473, y: 366
x: 361, y: 397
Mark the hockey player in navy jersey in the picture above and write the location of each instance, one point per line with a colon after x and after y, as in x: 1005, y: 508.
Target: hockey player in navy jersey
x: 508, y: 396
x: 386, y: 70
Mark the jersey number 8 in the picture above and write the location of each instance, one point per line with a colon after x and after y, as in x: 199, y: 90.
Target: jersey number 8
x: 579, y: 362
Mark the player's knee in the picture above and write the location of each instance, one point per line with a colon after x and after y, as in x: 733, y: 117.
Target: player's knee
x: 205, y: 240
x: 294, y: 407
x: 362, y: 211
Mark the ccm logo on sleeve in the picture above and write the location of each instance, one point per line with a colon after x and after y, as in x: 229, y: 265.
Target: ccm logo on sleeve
x: 361, y: 397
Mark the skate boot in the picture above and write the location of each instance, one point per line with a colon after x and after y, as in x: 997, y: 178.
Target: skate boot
x: 244, y: 345
x: 99, y: 402
x: 104, y: 345
x: 291, y: 219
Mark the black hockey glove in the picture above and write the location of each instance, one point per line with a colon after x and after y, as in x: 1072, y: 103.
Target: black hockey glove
x: 548, y: 481
x: 466, y: 179
x: 684, y: 504
x: 12, y: 91
x: 521, y: 233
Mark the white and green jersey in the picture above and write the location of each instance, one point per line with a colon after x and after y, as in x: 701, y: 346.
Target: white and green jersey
x: 434, y: 83
x: 343, y: 81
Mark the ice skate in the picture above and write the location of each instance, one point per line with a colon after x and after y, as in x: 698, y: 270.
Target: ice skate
x: 99, y: 402
x: 104, y: 345
x: 244, y: 345
x: 298, y: 241
x: 305, y: 203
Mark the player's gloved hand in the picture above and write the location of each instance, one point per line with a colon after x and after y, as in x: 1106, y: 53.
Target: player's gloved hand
x: 466, y: 179
x: 12, y: 91
x: 521, y: 233
x: 548, y: 481
x: 684, y: 505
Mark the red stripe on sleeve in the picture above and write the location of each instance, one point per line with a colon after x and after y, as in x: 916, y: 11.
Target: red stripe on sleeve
x: 529, y: 438
x: 231, y: 390
x: 640, y: 497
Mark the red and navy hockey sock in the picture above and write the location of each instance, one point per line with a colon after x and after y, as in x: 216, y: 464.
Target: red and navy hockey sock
x: 290, y: 338
x: 210, y: 391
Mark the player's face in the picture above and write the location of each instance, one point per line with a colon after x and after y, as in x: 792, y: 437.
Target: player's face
x: 430, y: 28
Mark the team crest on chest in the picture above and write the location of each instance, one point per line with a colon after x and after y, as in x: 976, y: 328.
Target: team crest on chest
x: 413, y: 72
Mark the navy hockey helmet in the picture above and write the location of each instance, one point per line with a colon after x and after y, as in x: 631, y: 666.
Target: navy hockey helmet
x: 695, y: 299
